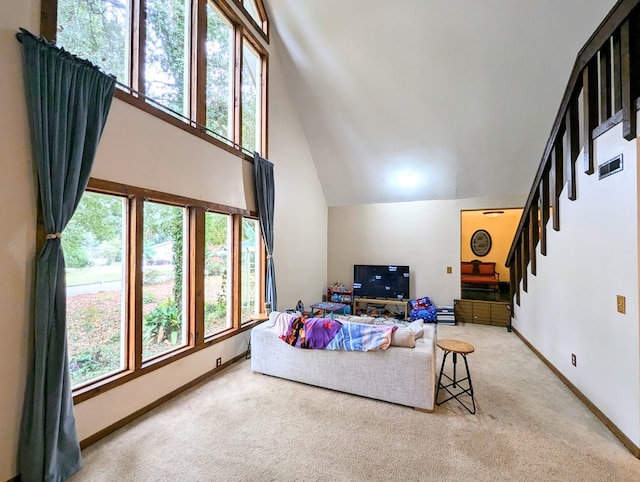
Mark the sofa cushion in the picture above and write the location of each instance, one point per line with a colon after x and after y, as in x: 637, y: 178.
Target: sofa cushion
x: 466, y: 268
x: 487, y: 268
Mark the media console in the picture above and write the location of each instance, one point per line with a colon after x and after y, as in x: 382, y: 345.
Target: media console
x: 378, y: 301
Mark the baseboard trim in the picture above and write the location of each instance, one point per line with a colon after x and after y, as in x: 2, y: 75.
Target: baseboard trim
x: 601, y: 416
x: 146, y: 409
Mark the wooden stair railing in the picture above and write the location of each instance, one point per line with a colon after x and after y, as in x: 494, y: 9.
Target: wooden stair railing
x: 607, y: 74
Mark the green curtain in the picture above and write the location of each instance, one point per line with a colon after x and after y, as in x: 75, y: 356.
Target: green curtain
x: 68, y: 101
x: 265, y: 199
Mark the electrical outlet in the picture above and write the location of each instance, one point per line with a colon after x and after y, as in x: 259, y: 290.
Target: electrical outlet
x: 219, y: 361
x: 573, y: 360
x: 449, y: 270
x: 621, y: 304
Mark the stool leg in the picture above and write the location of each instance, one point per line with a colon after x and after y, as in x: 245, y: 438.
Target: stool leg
x: 455, y: 362
x: 456, y: 383
x: 440, y: 377
x: 473, y: 400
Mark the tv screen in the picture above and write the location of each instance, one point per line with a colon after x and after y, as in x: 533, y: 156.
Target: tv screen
x: 380, y: 281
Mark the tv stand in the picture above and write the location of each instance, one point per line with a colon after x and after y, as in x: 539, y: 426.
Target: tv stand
x: 382, y: 301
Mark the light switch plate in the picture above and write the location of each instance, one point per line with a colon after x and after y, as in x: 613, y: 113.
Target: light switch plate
x: 621, y: 302
x: 449, y: 270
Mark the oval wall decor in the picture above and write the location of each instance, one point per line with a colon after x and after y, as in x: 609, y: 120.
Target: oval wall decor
x: 481, y: 242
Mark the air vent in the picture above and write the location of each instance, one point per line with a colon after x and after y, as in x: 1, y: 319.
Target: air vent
x: 610, y: 167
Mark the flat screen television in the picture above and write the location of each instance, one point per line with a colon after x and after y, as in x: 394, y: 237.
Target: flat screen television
x: 381, y: 281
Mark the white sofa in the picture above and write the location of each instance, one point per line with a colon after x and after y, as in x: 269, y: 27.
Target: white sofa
x: 406, y: 376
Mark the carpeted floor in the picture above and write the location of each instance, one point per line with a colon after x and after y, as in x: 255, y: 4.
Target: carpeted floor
x: 241, y: 426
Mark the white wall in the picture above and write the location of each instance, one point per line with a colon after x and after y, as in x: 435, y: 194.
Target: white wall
x: 141, y: 150
x: 300, y: 252
x: 17, y: 218
x: 422, y: 234
x: 570, y: 306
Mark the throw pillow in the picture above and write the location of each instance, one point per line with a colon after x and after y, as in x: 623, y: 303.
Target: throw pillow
x: 281, y: 322
x: 367, y: 320
x: 404, y: 337
x: 417, y: 327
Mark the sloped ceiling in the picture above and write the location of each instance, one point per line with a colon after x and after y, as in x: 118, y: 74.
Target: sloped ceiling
x: 428, y: 99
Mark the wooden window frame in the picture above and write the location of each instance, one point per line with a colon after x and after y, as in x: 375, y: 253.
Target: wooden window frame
x: 195, y: 122
x: 263, y: 27
x: 134, y: 365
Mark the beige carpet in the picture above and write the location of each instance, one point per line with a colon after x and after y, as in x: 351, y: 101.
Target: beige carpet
x: 240, y: 426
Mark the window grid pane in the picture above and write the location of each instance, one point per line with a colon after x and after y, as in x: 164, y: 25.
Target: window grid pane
x: 250, y: 269
x: 250, y: 6
x: 97, y: 31
x: 251, y: 97
x: 217, y: 267
x: 219, y: 54
x: 93, y: 244
x: 164, y: 279
x: 166, y: 54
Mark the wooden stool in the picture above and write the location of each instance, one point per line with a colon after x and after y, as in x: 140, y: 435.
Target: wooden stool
x: 456, y: 347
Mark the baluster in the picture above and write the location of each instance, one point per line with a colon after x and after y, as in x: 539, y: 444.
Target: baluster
x: 524, y: 256
x: 512, y: 279
x: 628, y: 100
x: 573, y: 146
x: 557, y: 170
x: 617, y: 72
x: 590, y: 113
x: 544, y: 209
x: 517, y: 264
x: 605, y: 82
x: 533, y: 235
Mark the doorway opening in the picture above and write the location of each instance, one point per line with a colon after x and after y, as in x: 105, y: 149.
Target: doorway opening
x: 485, y: 239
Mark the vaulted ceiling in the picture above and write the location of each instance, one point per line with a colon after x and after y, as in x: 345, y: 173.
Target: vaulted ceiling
x: 428, y: 99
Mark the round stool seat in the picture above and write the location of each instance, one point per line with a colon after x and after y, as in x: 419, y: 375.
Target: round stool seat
x: 456, y: 346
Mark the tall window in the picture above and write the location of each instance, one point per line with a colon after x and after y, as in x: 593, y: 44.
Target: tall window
x: 219, y: 56
x: 147, y: 288
x: 197, y: 60
x: 163, y: 292
x: 97, y: 31
x: 217, y: 264
x: 166, y: 78
x: 250, y: 268
x: 94, y: 244
x: 251, y: 80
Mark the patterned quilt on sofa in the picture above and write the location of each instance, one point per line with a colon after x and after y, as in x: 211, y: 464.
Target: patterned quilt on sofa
x: 329, y: 334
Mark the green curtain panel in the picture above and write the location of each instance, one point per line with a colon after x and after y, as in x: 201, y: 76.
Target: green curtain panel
x: 68, y: 101
x: 265, y: 198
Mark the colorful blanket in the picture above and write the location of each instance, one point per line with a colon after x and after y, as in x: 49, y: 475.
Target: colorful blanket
x: 361, y: 337
x: 325, y: 333
x: 311, y: 332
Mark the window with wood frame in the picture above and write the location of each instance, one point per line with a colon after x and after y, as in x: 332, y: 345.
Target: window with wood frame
x: 152, y: 277
x: 194, y: 63
x: 254, y: 9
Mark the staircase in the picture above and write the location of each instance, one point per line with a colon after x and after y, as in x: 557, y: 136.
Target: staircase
x: 575, y: 291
